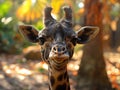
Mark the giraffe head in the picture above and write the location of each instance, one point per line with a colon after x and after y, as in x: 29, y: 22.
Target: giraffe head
x: 58, y: 39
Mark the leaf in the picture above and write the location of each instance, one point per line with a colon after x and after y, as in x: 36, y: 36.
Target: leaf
x: 30, y: 10
x: 56, y: 4
x: 5, y: 7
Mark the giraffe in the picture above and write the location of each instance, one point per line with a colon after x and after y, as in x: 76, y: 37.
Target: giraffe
x: 57, y: 41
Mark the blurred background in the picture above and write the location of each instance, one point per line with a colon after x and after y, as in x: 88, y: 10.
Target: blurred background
x: 21, y: 67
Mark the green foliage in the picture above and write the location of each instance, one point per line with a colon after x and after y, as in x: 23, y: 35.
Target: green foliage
x: 42, y: 70
x: 11, y: 40
x: 115, y: 10
x: 4, y: 7
x: 7, y: 35
x: 39, y: 25
x: 8, y: 29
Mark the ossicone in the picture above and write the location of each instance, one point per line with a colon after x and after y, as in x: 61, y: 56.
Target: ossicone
x: 67, y: 20
x: 48, y: 19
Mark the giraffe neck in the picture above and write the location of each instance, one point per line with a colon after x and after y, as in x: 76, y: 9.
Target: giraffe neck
x: 59, y: 79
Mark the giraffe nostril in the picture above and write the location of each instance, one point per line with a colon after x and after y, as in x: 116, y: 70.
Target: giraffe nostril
x: 54, y: 49
x: 59, y: 49
x: 63, y: 48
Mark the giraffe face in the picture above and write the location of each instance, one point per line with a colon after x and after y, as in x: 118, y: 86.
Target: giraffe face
x: 57, y: 43
x: 57, y: 39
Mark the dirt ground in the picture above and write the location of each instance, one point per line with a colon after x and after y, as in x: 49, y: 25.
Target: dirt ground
x: 17, y: 73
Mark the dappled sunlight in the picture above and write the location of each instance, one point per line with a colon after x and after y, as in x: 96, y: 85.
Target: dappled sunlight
x: 73, y: 67
x: 24, y: 71
x: 6, y: 20
x: 113, y: 68
x: 41, y: 65
x: 37, y: 71
x: 106, y: 37
x: 114, y: 25
x: 118, y: 49
x: 2, y: 76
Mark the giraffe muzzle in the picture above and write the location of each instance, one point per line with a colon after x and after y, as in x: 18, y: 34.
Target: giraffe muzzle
x: 59, y: 52
x: 59, y: 49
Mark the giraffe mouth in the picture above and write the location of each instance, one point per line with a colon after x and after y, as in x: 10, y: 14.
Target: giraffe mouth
x: 60, y: 61
x: 59, y: 64
x: 59, y: 57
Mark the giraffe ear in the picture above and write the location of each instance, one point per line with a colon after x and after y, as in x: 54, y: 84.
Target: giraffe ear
x: 86, y: 34
x: 29, y: 32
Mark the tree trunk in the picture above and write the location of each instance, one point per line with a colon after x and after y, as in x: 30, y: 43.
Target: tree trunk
x: 92, y: 73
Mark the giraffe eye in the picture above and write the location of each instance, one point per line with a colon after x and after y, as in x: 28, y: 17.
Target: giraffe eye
x: 41, y: 40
